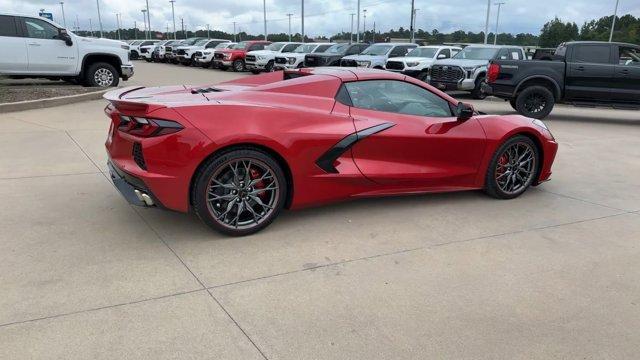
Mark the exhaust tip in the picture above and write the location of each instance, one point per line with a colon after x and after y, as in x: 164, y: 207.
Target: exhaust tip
x: 147, y: 199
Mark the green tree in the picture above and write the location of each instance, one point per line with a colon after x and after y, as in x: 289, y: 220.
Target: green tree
x: 555, y: 32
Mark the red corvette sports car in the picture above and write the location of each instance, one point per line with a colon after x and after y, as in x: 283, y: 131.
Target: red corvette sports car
x: 239, y: 152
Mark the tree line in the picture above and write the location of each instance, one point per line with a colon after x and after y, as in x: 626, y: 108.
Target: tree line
x: 551, y: 34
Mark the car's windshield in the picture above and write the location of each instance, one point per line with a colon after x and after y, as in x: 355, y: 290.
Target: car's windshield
x: 275, y: 46
x: 303, y: 49
x: 337, y: 49
x: 136, y: 42
x: 201, y: 42
x: 190, y: 42
x: 423, y: 52
x: 222, y: 46
x: 476, y: 53
x: 241, y: 45
x: 377, y: 50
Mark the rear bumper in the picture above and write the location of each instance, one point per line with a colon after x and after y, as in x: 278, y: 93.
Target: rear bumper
x: 133, y: 189
x: 501, y: 91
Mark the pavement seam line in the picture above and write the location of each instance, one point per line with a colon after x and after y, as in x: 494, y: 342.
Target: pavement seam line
x: 204, y: 287
x: 100, y: 308
x: 84, y: 152
x: 416, y: 249
x: 583, y: 200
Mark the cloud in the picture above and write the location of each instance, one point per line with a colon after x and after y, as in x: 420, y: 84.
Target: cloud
x: 325, y: 17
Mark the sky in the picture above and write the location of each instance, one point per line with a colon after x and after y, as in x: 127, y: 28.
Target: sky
x: 326, y: 17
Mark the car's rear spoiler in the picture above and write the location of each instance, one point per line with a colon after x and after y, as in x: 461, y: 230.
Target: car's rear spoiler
x: 115, y: 97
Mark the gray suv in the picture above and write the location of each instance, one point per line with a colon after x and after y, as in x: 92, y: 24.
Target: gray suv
x: 467, y: 70
x: 376, y: 55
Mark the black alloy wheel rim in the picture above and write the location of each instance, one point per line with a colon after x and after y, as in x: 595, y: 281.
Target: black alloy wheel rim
x: 535, y: 103
x: 242, y: 193
x: 515, y: 168
x: 238, y: 65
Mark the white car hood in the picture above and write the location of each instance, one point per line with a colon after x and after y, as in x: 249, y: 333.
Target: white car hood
x: 412, y: 59
x: 263, y: 52
x: 102, y: 42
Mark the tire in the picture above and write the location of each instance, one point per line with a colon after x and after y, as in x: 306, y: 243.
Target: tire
x: 255, y: 72
x: 134, y: 55
x: 423, y: 75
x: 535, y: 102
x: 512, y: 102
x: 147, y: 60
x: 101, y: 75
x: 498, y: 179
x: 477, y: 92
x: 238, y: 65
x: 269, y: 66
x: 258, y: 208
x: 223, y: 68
x: 205, y: 65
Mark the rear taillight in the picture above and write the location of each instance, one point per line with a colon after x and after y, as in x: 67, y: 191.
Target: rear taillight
x: 493, y: 72
x: 145, y: 127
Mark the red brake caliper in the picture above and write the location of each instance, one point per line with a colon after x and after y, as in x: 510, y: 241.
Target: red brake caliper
x: 503, y: 161
x: 260, y: 184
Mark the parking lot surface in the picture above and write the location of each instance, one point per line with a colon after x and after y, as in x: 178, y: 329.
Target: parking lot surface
x: 554, y: 274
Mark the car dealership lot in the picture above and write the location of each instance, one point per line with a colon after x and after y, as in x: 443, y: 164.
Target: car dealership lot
x: 552, y: 274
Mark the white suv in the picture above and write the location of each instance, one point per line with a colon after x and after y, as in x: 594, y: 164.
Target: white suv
x: 263, y: 60
x: 135, y: 48
x: 186, y: 53
x: 35, y: 47
x: 419, y: 60
x: 295, y: 59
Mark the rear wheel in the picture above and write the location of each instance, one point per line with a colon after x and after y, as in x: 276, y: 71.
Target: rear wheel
x: 238, y: 65
x: 513, y: 168
x: 239, y: 192
x: 101, y: 75
x: 535, y: 102
x: 512, y: 102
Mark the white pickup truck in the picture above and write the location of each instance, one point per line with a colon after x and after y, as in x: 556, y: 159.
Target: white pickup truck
x: 35, y: 47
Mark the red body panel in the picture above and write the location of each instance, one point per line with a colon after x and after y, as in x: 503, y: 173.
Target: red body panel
x: 298, y: 120
x: 236, y: 54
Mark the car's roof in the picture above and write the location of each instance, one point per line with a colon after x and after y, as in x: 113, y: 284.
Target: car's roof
x: 393, y: 43
x: 350, y: 74
x: 600, y: 43
x: 438, y: 47
x: 490, y: 46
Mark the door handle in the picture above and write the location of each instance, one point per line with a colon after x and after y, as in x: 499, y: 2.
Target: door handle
x: 579, y: 68
x: 34, y: 44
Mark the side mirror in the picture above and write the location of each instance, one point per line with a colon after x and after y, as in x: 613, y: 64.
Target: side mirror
x: 64, y: 36
x: 464, y: 111
x: 442, y: 56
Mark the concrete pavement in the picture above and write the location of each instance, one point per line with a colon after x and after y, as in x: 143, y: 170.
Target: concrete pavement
x: 553, y: 274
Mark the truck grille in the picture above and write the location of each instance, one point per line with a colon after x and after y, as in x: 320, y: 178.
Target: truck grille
x: 181, y: 52
x: 218, y: 56
x: 280, y: 60
x: 198, y: 54
x: 311, y: 60
x: 395, y: 65
x: 446, y: 73
x: 144, y: 50
x: 138, y: 157
x: 167, y: 49
x: 348, y: 63
x: 250, y: 58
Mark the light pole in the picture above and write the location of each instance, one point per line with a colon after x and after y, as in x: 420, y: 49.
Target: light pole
x: 264, y: 14
x: 77, y: 23
x: 118, y: 24
x: 495, y: 38
x: 90, y: 27
x: 289, y: 15
x: 351, y: 33
x: 135, y: 30
x: 99, y: 18
x: 148, y: 20
x: 358, y: 24
x: 364, y: 25
x: 302, y: 18
x: 173, y: 16
x: 413, y: 17
x: 182, y: 27
x: 234, y: 32
x: 144, y: 17
x: 486, y: 24
x: 613, y: 23
x: 413, y: 31
x: 208, y: 36
x: 64, y: 20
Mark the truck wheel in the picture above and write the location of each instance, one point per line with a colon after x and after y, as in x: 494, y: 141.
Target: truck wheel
x: 478, y: 91
x: 269, y: 66
x: 535, y: 102
x: 424, y: 74
x: 101, y: 75
x: 238, y: 65
x: 512, y: 102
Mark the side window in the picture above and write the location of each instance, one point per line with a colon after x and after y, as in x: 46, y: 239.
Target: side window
x: 628, y: 56
x: 397, y: 97
x: 515, y: 54
x: 353, y: 50
x: 8, y: 26
x: 398, y: 51
x: 145, y: 43
x: 598, y: 54
x: 503, y: 54
x: 255, y: 47
x: 38, y: 29
x: 445, y: 52
x: 289, y: 47
x: 454, y: 52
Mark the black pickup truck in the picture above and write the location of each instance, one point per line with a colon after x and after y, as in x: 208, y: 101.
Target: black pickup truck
x: 580, y: 73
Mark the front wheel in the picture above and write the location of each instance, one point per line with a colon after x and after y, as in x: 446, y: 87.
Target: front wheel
x: 101, y: 75
x: 238, y: 65
x: 239, y: 192
x: 512, y: 169
x: 478, y: 92
x: 512, y: 102
x: 535, y: 102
